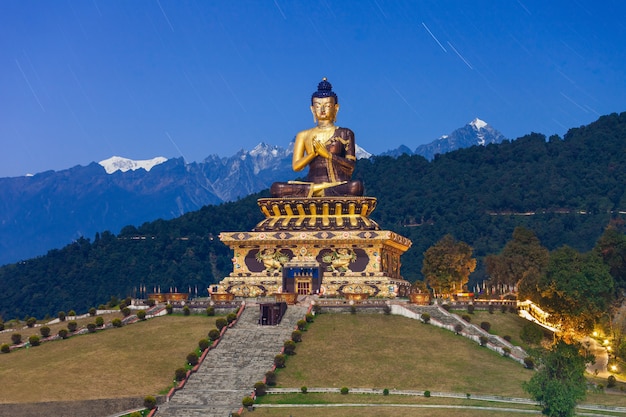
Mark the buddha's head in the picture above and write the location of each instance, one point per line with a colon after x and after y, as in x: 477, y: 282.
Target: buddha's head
x: 324, y: 102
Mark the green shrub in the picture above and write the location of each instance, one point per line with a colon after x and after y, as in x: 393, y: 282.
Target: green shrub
x: 63, y: 333
x: 91, y: 327
x: 169, y: 308
x: 512, y: 309
x: 289, y: 347
x: 1, y: 325
x: 99, y: 321
x: 344, y: 390
x: 296, y: 336
x: 386, y: 391
x: 180, y: 374
x: 5, y: 348
x: 220, y: 323
x: 279, y: 360
x: 31, y: 322
x: 151, y: 302
x: 260, y: 388
x: 507, y: 338
x: 483, y: 340
x: 149, y: 402
x: 529, y: 362
x: 352, y: 309
x: 309, y: 317
x: 317, y: 309
x: 135, y: 414
x: 303, y: 389
x: 92, y: 311
x: 141, y: 314
x: 126, y: 311
x: 116, y: 322
x: 72, y: 326
x: 210, y: 311
x: 102, y: 307
x: 467, y: 318
x: 503, y: 308
x: 16, y: 338
x: 301, y: 324
x: 34, y: 340
x: 506, y: 351
x: 427, y: 394
x: 446, y: 307
x: 387, y: 309
x: 44, y: 331
x: 470, y: 308
x: 203, y: 344
x: 61, y: 315
x: 72, y: 313
x: 485, y: 325
x: 492, y: 308
x: 214, y: 334
x: 231, y: 317
x: 611, y: 381
x: 247, y: 402
x: 425, y: 317
x: 270, y: 378
x: 458, y: 328
x: 192, y: 359
x: 186, y: 311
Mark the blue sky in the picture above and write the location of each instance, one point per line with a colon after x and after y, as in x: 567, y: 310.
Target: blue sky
x: 83, y: 80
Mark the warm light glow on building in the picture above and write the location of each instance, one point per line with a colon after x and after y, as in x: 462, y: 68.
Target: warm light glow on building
x: 613, y: 368
x: 606, y: 342
x: 595, y: 334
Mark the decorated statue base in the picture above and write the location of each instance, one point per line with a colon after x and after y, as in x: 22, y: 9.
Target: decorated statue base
x: 325, y: 245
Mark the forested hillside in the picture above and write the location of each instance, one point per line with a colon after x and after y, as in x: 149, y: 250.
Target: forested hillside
x: 564, y: 190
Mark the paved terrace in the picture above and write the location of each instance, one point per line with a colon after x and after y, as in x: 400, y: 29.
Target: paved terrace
x: 229, y: 372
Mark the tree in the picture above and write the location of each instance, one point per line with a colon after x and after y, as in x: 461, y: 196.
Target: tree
x: 520, y: 263
x: 576, y: 289
x: 448, y: 264
x: 612, y: 248
x: 559, y: 384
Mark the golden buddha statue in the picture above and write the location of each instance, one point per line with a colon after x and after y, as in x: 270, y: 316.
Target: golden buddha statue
x: 328, y: 151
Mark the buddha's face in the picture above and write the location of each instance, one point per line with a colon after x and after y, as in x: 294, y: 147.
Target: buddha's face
x: 324, y: 108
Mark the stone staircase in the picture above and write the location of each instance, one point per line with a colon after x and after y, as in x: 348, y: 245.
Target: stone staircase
x: 229, y: 372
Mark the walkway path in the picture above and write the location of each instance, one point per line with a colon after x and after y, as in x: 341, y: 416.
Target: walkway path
x: 229, y: 372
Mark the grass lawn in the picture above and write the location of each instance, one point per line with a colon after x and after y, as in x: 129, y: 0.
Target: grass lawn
x: 385, y: 351
x: 135, y: 360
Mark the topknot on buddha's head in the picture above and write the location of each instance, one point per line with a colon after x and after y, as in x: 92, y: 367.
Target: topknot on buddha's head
x: 324, y: 89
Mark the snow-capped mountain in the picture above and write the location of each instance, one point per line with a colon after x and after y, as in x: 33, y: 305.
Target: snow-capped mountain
x: 117, y: 163
x: 476, y: 132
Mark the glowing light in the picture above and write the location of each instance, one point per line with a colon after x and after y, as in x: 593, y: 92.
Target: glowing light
x: 613, y: 368
x: 606, y: 342
x: 595, y: 334
x: 608, y: 348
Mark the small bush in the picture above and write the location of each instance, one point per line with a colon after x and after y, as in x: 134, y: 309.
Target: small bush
x: 483, y: 340
x: 31, y: 322
x: 44, y: 331
x: 186, y: 311
x: 352, y: 309
x: 141, y: 314
x: 485, y: 325
x: 344, y: 390
x: 427, y: 394
x: 512, y: 309
x: 301, y: 325
x: 72, y: 326
x: 116, y: 322
x: 458, y: 328
x: 247, y: 402
x: 289, y: 347
x: 72, y: 313
x: 135, y: 414
x: 203, y: 344
x: 466, y: 317
x: 529, y: 362
x: 210, y: 311
x: 231, y: 317
x: 507, y: 338
x: 317, y: 309
x: 303, y: 389
x: 309, y: 318
x: 192, y: 359
x: 91, y: 327
x: 180, y: 374
x: 260, y: 388
x: 214, y: 334
x: 386, y: 391
x: 506, y: 351
x: 169, y: 308
x: 34, y: 340
x: 16, y: 338
x: 296, y: 336
x: 1, y: 325
x: 149, y: 402
x: 279, y: 360
x: 387, y: 309
x: 611, y: 381
x: 5, y: 348
x: 92, y: 311
x: 63, y: 333
x: 99, y: 321
x: 470, y: 308
x: 425, y: 318
x: 270, y: 378
x: 220, y: 323
x: 126, y: 311
x: 151, y: 302
x: 503, y: 308
x: 446, y: 307
x: 492, y: 308
x: 61, y: 315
